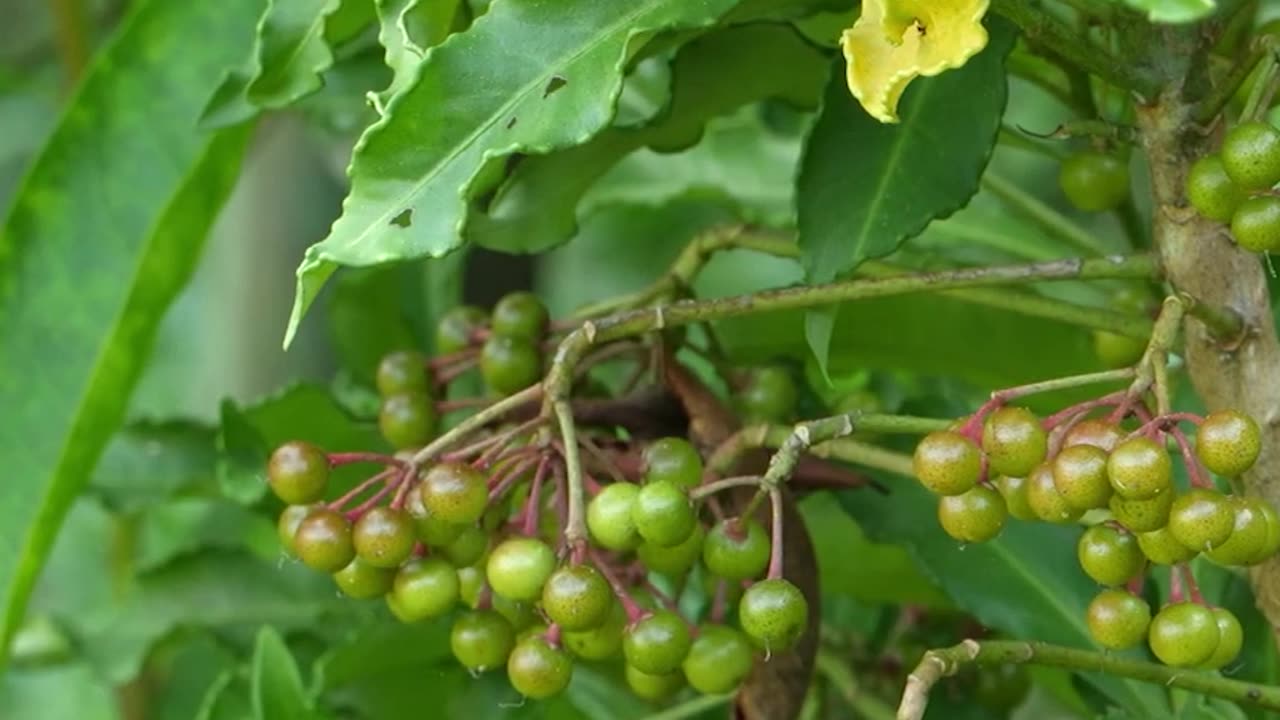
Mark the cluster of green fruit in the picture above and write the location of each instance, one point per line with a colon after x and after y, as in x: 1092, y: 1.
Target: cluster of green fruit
x: 1235, y: 185
x: 1072, y: 468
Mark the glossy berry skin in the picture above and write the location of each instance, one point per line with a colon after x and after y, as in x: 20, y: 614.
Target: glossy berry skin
x: 383, y: 537
x: 1094, y: 181
x: 518, y: 568
x: 1162, y: 548
x: 1139, y: 469
x: 1249, y: 534
x: 601, y: 642
x: 663, y: 514
x: 1251, y: 155
x: 769, y: 396
x: 647, y: 686
x: 537, y: 670
x: 323, y: 541
x: 287, y: 525
x: 454, y: 492
x: 1228, y: 442
x: 1230, y: 640
x: 456, y: 328
x: 1117, y: 351
x: 509, y: 365
x: 522, y: 615
x: 719, y: 660
x: 1108, y: 555
x: 298, y: 472
x: 1080, y: 475
x: 430, y: 529
x: 1273, y: 533
x: 976, y: 516
x: 773, y: 613
x: 1118, y: 619
x: 424, y: 588
x: 520, y: 315
x: 1142, y: 516
x: 1201, y: 519
x: 1256, y: 224
x: 672, y: 459
x: 1184, y: 635
x: 1211, y: 190
x: 470, y: 583
x: 408, y: 420
x: 1014, y: 491
x: 657, y: 643
x: 1014, y: 441
x: 677, y: 559
x: 609, y: 517
x: 466, y: 549
x: 1095, y: 432
x: 1044, y: 499
x: 947, y: 462
x: 403, y: 371
x: 481, y: 640
x: 736, y: 549
x: 577, y: 597
x: 362, y: 581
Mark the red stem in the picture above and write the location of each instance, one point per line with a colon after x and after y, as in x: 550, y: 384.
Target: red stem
x: 634, y: 611
x: 511, y: 478
x: 446, y: 375
x: 443, y: 361
x: 406, y: 484
x: 347, y: 458
x: 1175, y: 585
x: 1192, y: 588
x: 775, y: 553
x: 1136, y: 583
x: 448, y: 406
x: 355, y: 513
x: 720, y: 604
x: 533, y: 504
x: 662, y: 597
x: 356, y: 491
x: 1082, y: 407
x: 1195, y: 471
x: 552, y: 636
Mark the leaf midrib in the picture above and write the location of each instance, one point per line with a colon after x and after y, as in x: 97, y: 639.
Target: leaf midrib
x: 317, y: 24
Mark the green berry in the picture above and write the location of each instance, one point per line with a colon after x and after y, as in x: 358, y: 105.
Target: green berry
x: 522, y: 615
x: 424, y: 588
x: 1228, y: 442
x: 537, y: 670
x: 657, y: 643
x: 1162, y: 548
x: 1014, y: 441
x: 663, y: 514
x: 1098, y: 433
x: 1251, y: 155
x: 509, y: 365
x: 383, y: 537
x: 455, y: 493
x: 1139, y: 469
x: 609, y: 518
x: 408, y: 420
x: 402, y: 372
x: 976, y: 516
x: 601, y: 642
x: 1201, y: 519
x: 1230, y: 640
x: 1184, y: 635
x: 1256, y: 224
x: 647, y: 686
x: 481, y: 640
x: 363, y: 581
x: 1142, y: 516
x: 1094, y: 181
x: 520, y: 315
x: 1080, y: 474
x: 1109, y: 555
x: 298, y: 472
x: 1273, y: 533
x: 1117, y: 351
x: 287, y: 525
x: 1044, y: 499
x: 519, y: 567
x: 323, y: 541
x: 430, y: 529
x: 674, y: 460
x: 736, y: 549
x: 1211, y: 190
x: 947, y: 462
x: 719, y: 660
x: 1249, y: 533
x: 470, y: 583
x: 773, y: 613
x: 456, y: 328
x: 1014, y: 491
x: 769, y: 396
x: 677, y: 559
x: 1118, y: 619
x: 466, y: 549
x: 577, y: 597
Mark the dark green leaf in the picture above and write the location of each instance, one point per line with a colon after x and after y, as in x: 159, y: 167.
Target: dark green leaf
x: 190, y: 670
x: 528, y: 76
x: 406, y: 29
x: 104, y: 233
x: 275, y: 683
x: 368, y: 316
x: 182, y: 526
x: 146, y: 462
x: 226, y: 699
x: 242, y: 457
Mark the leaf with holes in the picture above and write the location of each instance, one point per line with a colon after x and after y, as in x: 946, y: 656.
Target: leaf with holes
x: 406, y: 28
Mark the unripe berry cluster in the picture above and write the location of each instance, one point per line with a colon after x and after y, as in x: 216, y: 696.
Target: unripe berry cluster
x: 1236, y: 185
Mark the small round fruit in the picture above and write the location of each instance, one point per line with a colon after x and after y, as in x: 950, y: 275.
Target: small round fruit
x: 1249, y: 533
x: 407, y: 420
x: 577, y: 597
x: 609, y: 517
x: 1273, y: 533
x: 323, y: 541
x: 383, y: 537
x: 769, y: 396
x: 1256, y: 224
x: 1139, y: 469
x: 518, y: 568
x: 736, y: 549
x: 363, y: 581
x: 1162, y: 548
x: 424, y: 588
x: 1094, y: 181
x: 657, y: 643
x: 470, y: 583
x: 520, y: 315
x: 537, y: 670
x: 509, y: 365
x: 1117, y: 351
x: 1080, y: 474
x: 1142, y: 516
x: 481, y: 640
x: 647, y: 686
x: 1044, y: 499
x: 466, y: 549
x: 1118, y: 619
x: 457, y: 327
x: 677, y: 559
x: 454, y: 492
x: 1230, y: 640
x: 1184, y: 634
x: 430, y: 529
x: 1109, y: 555
x: 663, y: 514
x: 947, y: 462
x: 1095, y: 432
x: 1228, y: 442
x: 298, y: 472
x: 400, y: 372
x: 773, y: 613
x: 1014, y: 441
x: 1251, y: 155
x: 1211, y: 190
x: 719, y: 660
x: 522, y: 615
x: 601, y: 642
x: 674, y: 460
x: 287, y: 525
x: 1014, y: 491
x: 1201, y: 519
x: 976, y: 516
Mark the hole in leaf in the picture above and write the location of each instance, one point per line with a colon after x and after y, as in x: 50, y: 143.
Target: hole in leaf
x: 404, y: 219
x: 555, y: 83
x: 512, y: 122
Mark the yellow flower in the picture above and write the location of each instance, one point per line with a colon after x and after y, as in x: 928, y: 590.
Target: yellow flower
x: 895, y: 41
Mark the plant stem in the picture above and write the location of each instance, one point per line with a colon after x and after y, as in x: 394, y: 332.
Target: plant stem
x: 941, y: 663
x: 1212, y: 106
x: 70, y: 25
x: 575, y: 525
x: 1045, y: 217
x: 693, y: 708
x: 841, y: 677
x: 1223, y: 323
x: 477, y: 421
x: 716, y: 486
x: 776, y: 551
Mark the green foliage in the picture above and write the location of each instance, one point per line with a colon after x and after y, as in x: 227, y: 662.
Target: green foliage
x: 1174, y: 11
x: 276, y: 685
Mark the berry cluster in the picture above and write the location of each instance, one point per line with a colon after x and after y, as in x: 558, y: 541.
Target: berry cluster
x: 1073, y: 466
x: 1235, y: 185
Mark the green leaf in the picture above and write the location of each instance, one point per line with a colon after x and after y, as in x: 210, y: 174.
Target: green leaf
x: 406, y: 29
x: 528, y: 76
x: 128, y: 169
x: 147, y: 462
x: 62, y: 692
x: 276, y: 684
x: 183, y: 526
x: 865, y: 187
x: 537, y: 208
x: 1174, y: 11
x: 368, y: 316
